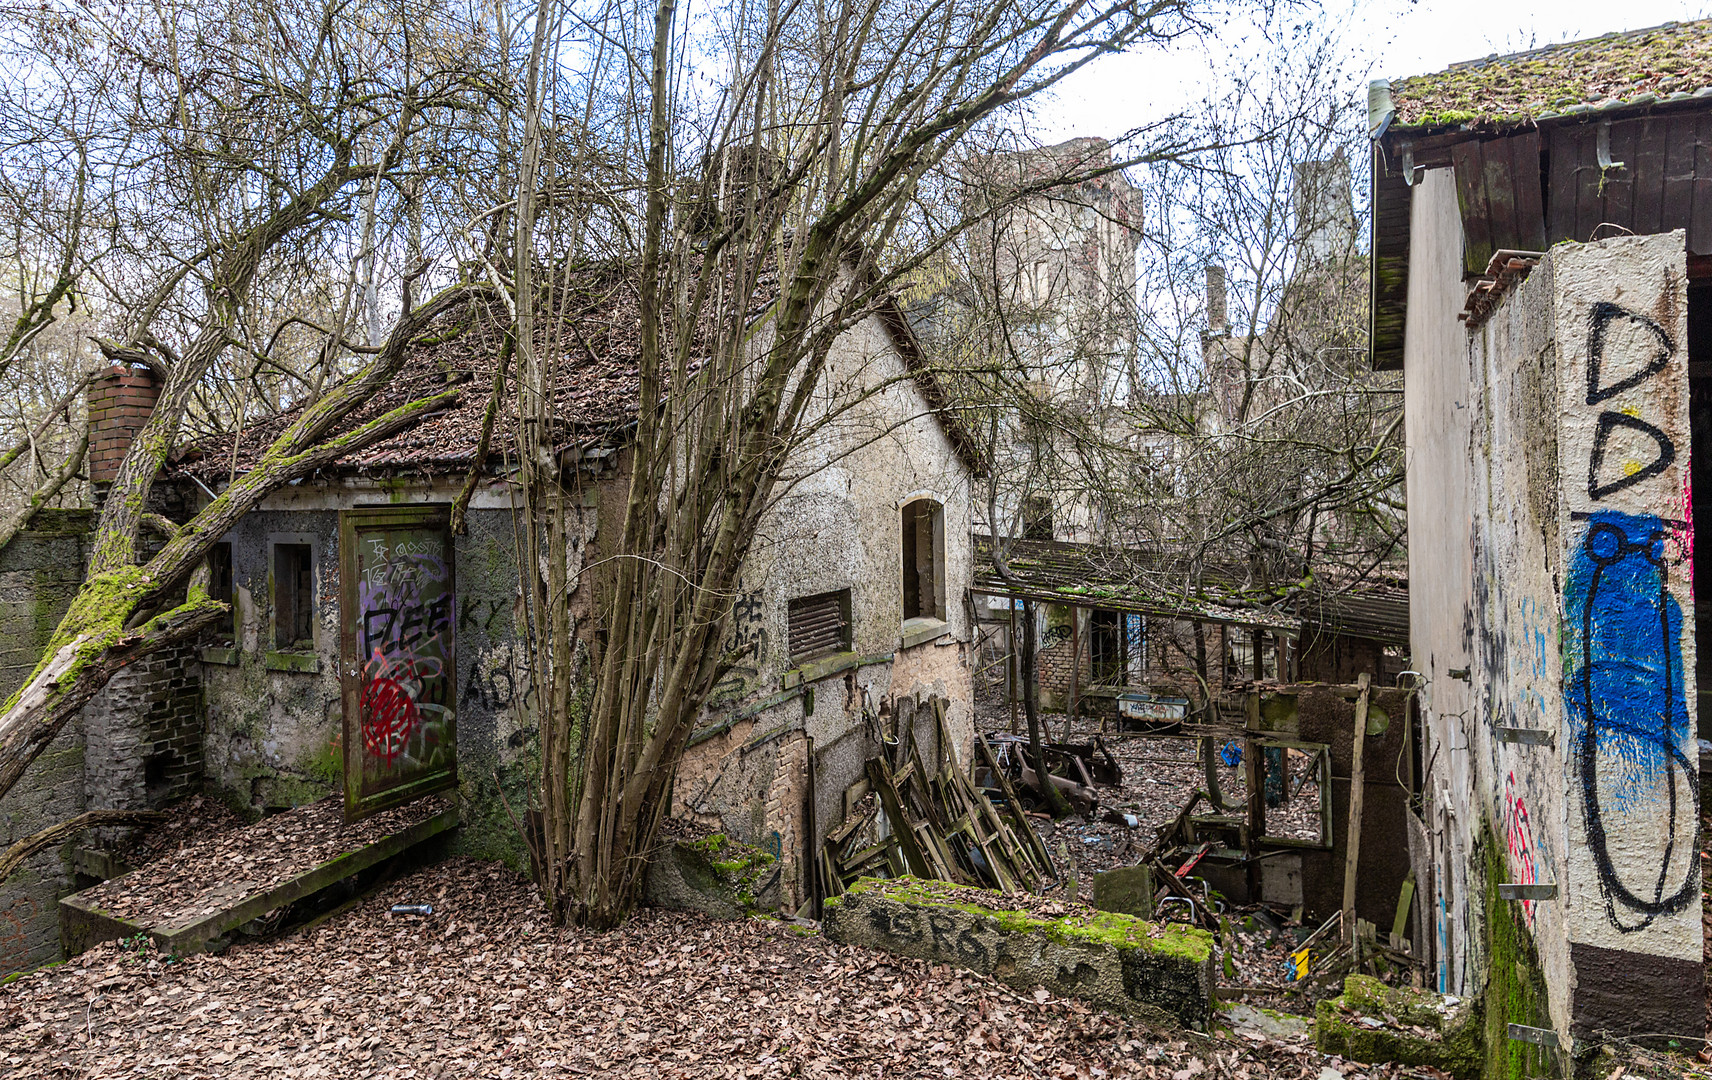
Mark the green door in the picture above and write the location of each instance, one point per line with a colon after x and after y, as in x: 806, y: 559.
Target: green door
x: 397, y: 616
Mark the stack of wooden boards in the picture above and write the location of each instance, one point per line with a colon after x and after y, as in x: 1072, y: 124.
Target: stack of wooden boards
x: 928, y: 819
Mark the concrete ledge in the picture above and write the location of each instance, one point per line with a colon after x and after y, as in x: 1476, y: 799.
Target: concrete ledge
x: 215, y: 654
x: 1161, y: 974
x: 1374, y: 1024
x: 84, y: 925
x: 308, y: 663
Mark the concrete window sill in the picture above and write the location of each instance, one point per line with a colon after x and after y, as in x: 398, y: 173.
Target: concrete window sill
x: 917, y: 631
x: 219, y: 655
x: 308, y: 663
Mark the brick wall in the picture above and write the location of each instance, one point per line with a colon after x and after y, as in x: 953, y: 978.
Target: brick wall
x: 40, y: 571
x: 119, y: 405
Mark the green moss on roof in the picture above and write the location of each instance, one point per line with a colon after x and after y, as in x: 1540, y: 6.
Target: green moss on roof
x: 1661, y: 62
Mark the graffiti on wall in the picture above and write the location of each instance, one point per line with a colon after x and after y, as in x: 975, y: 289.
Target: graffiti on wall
x: 1519, y: 839
x: 1626, y: 696
x: 400, y: 616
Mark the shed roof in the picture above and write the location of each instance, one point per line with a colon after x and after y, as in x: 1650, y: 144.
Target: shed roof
x: 1087, y: 575
x: 1634, y: 68
x: 595, y: 339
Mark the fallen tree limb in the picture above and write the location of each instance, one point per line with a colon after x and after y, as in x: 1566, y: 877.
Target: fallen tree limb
x: 53, y: 834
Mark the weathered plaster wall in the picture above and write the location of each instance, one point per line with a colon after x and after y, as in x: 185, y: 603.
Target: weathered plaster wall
x: 1519, y: 792
x: 1580, y: 578
x: 1437, y: 414
x: 275, y: 720
x: 1628, y: 660
x: 838, y: 525
x: 40, y: 571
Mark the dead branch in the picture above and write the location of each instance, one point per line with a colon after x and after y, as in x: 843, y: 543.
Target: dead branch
x: 18, y: 853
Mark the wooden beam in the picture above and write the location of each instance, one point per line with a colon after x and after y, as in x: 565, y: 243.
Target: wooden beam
x: 1352, y: 840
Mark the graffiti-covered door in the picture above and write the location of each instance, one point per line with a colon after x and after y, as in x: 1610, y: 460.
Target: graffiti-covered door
x: 398, y: 664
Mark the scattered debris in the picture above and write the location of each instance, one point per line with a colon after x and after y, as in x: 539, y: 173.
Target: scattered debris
x: 929, y: 820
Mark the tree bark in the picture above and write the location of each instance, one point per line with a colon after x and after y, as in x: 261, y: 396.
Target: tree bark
x: 53, y: 834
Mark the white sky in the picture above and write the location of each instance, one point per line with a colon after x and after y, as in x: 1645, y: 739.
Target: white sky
x: 1399, y: 37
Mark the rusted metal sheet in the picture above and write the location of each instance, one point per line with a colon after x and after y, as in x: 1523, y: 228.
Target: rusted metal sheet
x: 398, y: 658
x: 1658, y: 178
x: 1498, y: 190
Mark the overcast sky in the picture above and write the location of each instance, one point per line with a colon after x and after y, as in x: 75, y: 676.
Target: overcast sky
x: 1396, y: 38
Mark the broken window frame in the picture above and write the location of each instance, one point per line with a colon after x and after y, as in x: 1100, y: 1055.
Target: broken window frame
x: 1322, y: 763
x: 918, y: 520
x: 293, y: 595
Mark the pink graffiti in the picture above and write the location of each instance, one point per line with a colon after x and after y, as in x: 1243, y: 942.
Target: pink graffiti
x: 1518, y: 834
x: 1685, y: 531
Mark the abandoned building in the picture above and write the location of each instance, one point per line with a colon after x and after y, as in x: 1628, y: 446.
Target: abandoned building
x: 372, y: 651
x: 1542, y: 233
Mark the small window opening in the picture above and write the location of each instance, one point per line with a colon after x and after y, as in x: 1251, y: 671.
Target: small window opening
x: 1295, y: 778
x: 1037, y: 518
x: 293, y: 597
x: 220, y: 587
x: 818, y: 624
x: 924, y: 560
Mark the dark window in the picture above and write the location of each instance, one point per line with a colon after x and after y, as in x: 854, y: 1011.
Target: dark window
x: 1106, y: 635
x: 293, y: 597
x: 924, y: 560
x: 220, y: 587
x: 1037, y: 518
x: 819, y: 624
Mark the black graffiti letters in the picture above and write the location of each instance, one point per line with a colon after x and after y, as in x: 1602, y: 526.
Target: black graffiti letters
x: 1609, y: 422
x: 1660, y: 348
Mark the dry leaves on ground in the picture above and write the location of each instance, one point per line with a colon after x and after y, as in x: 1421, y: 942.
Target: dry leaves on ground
x: 483, y: 987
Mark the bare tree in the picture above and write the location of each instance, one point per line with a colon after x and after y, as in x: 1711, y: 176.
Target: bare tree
x: 775, y: 207
x: 226, y: 150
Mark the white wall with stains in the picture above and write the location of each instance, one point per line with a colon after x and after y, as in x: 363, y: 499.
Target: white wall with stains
x: 1578, y: 625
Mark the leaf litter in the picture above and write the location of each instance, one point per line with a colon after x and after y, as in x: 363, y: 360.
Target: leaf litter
x: 485, y: 987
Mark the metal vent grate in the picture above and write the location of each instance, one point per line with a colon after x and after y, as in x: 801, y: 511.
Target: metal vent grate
x: 819, y: 623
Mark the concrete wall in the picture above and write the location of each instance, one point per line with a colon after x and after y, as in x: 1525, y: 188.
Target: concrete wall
x: 1576, y: 466
x: 275, y: 719
x: 1437, y: 396
x: 40, y: 571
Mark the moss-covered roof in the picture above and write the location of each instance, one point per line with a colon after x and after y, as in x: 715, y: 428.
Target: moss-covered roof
x: 1633, y: 68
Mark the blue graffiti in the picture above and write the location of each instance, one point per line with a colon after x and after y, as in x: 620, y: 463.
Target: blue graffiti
x: 1627, y: 706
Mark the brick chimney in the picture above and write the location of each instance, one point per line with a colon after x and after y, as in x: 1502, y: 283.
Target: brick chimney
x: 120, y: 401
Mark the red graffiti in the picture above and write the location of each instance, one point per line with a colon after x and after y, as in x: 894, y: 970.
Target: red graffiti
x: 1517, y: 830
x: 390, y: 717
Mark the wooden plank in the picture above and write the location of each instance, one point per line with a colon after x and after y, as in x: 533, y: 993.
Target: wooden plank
x: 1405, y: 897
x: 1528, y: 231
x: 1620, y: 184
x: 1648, y: 174
x: 1468, y: 162
x: 1352, y: 840
x: 1700, y: 219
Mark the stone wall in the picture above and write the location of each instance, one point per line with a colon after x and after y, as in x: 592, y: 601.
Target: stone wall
x: 40, y: 571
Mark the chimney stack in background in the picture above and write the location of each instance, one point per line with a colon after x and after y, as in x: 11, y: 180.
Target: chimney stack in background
x: 1216, y: 317
x: 120, y: 402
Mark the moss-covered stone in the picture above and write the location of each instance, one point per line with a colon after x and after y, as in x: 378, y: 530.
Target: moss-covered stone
x: 1159, y: 973
x: 716, y: 876
x: 1374, y: 1023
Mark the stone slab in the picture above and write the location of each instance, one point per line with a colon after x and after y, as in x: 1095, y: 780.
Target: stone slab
x: 1161, y: 974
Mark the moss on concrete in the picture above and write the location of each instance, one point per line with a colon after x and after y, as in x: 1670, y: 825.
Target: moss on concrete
x: 1106, y: 928
x: 1514, y: 991
x: 1414, y: 1028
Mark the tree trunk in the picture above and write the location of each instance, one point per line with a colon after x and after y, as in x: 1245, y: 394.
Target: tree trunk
x: 16, y: 854
x: 1056, y: 804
